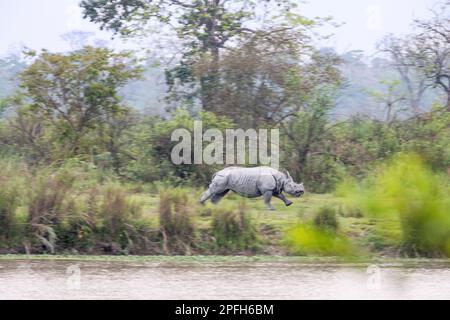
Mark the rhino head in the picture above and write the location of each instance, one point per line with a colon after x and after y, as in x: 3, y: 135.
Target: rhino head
x: 292, y: 188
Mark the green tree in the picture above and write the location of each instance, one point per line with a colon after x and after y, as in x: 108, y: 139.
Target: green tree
x: 266, y: 79
x: 75, y: 93
x: 307, y: 153
x: 205, y: 29
x: 159, y: 148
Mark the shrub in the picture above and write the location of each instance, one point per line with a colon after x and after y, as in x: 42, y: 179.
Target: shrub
x: 306, y: 239
x: 176, y: 222
x: 12, y: 178
x: 118, y: 215
x: 57, y: 209
x: 79, y: 230
x: 46, y: 210
x: 9, y: 200
x: 407, y: 191
x: 326, y: 219
x: 161, y: 148
x: 233, y: 228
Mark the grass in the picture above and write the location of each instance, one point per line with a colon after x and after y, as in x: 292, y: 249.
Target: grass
x: 69, y: 211
x: 201, y: 260
x: 233, y: 229
x: 406, y: 192
x: 176, y: 223
x: 162, y: 258
x: 271, y: 225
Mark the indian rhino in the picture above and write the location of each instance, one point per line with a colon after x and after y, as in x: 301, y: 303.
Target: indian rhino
x: 253, y: 182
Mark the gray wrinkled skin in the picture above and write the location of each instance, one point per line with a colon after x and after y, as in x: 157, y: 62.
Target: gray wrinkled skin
x: 253, y: 182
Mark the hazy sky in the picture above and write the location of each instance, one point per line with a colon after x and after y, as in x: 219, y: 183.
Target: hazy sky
x: 40, y: 23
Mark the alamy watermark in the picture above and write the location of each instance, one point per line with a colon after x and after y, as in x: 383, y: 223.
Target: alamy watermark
x: 228, y: 148
x: 374, y: 279
x: 73, y: 280
x: 374, y: 20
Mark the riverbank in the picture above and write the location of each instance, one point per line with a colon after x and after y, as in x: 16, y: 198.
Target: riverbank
x: 215, y: 259
x: 261, y: 233
x: 368, y: 236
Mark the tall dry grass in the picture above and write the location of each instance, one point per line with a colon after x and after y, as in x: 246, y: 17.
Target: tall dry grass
x: 10, y: 199
x: 233, y: 228
x: 176, y: 221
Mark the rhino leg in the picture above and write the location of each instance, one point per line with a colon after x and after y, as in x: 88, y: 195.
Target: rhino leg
x: 283, y: 198
x: 217, y: 189
x: 217, y: 196
x: 267, y: 196
x: 205, y: 196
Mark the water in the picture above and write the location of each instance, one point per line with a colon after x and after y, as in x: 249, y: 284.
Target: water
x: 61, y: 279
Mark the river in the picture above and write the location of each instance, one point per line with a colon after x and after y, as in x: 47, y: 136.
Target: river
x: 72, y: 279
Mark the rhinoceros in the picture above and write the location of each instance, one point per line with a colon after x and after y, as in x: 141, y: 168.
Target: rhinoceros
x: 253, y: 182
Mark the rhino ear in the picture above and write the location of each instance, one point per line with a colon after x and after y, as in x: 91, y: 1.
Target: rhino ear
x: 288, y: 175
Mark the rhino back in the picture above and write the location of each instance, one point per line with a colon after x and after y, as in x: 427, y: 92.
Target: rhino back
x: 250, y: 182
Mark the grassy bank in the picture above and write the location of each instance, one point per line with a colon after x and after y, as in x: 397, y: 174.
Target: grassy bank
x: 175, y: 259
x: 269, y: 229
x: 370, y: 236
x: 72, y: 210
x: 199, y: 260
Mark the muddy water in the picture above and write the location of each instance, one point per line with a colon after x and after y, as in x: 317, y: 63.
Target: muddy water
x: 56, y: 279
